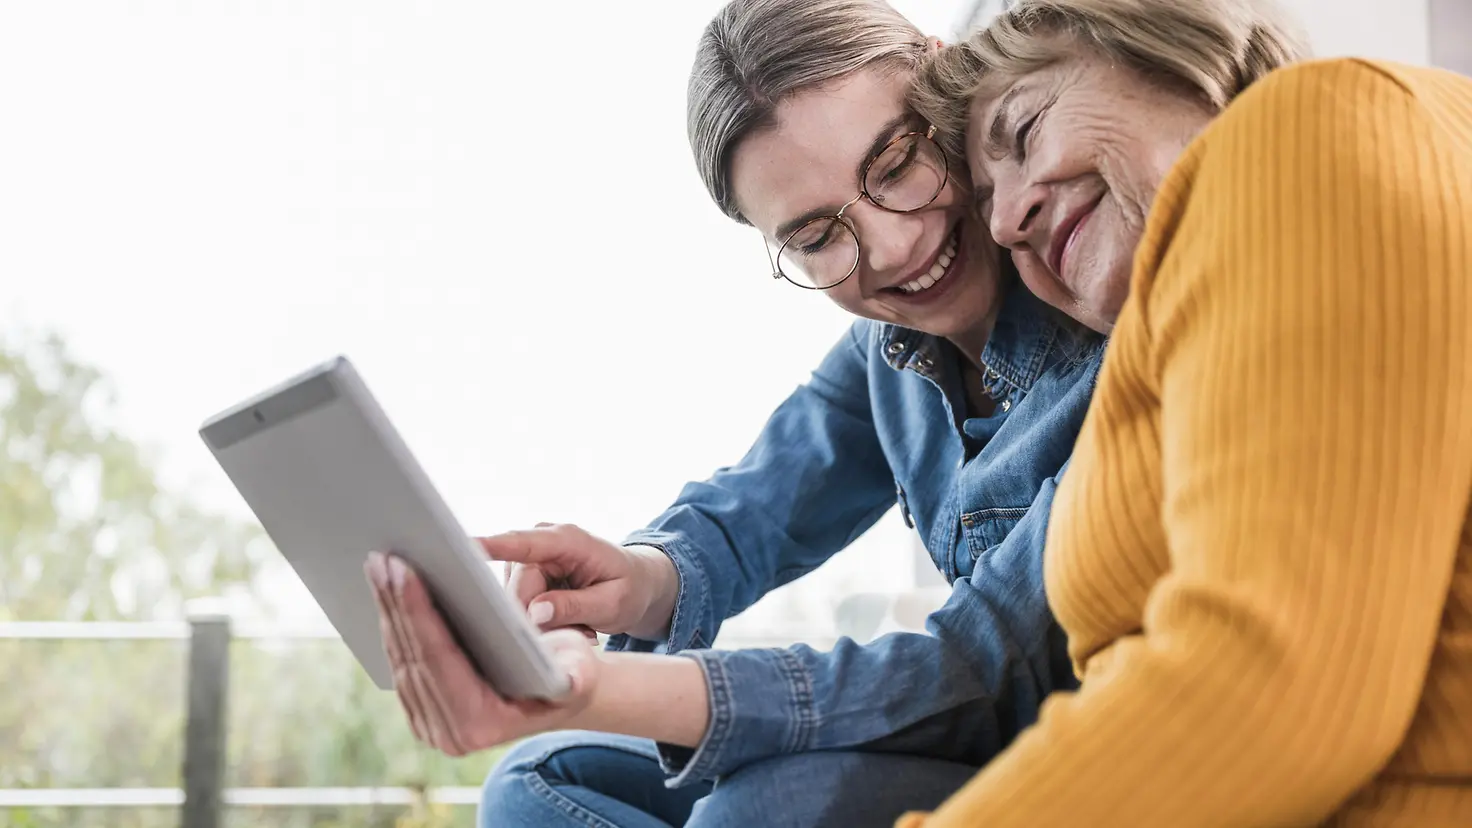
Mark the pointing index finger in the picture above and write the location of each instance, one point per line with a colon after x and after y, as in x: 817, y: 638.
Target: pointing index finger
x: 531, y: 546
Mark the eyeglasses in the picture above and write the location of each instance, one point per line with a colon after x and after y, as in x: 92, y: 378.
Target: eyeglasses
x: 906, y: 176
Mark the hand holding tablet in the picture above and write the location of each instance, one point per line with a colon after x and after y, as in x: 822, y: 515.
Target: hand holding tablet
x: 340, y: 495
x: 331, y: 480
x: 448, y: 704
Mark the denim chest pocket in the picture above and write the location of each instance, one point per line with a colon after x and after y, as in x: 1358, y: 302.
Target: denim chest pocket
x: 985, y: 528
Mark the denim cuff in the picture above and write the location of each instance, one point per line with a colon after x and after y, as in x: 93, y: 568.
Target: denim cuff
x: 761, y: 705
x: 691, y: 601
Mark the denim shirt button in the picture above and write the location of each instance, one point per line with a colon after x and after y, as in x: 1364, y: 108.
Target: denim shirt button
x: 991, y: 374
x: 896, y: 348
x: 1006, y: 406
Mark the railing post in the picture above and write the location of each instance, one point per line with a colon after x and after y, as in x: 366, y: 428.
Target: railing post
x: 204, y: 730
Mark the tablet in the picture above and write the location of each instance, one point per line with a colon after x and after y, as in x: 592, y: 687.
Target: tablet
x: 330, y: 479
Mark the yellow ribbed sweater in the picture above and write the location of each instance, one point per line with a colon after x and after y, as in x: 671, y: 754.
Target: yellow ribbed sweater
x: 1261, y: 552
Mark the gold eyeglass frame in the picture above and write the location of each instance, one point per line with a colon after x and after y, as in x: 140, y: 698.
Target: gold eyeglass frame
x: 945, y: 176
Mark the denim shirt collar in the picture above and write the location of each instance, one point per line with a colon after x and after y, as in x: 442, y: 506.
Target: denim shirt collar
x: 1016, y: 352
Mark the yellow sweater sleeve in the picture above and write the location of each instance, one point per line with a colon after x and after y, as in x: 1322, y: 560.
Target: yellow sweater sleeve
x: 1299, y: 351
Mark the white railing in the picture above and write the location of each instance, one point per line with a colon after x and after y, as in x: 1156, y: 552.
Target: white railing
x: 203, y: 794
x: 247, y: 797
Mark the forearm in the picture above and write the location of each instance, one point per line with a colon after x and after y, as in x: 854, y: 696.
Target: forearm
x: 655, y: 697
x: 960, y: 694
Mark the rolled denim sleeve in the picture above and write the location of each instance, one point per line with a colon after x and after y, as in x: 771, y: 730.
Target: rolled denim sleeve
x: 961, y: 693
x: 815, y: 479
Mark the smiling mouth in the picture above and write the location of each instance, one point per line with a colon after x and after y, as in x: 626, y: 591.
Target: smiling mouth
x: 1067, y: 233
x: 938, y: 271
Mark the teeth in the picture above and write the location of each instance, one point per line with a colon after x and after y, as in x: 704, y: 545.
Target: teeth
x: 937, y: 270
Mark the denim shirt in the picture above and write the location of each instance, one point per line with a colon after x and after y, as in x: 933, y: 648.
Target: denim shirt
x: 883, y: 421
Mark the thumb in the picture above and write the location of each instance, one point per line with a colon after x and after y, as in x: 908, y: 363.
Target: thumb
x: 595, y: 606
x: 576, y: 657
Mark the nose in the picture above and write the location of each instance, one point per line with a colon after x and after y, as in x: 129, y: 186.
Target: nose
x: 886, y: 240
x: 1015, y: 212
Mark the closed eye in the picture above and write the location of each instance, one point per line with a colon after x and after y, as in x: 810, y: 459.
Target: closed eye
x: 1024, y: 130
x: 808, y: 245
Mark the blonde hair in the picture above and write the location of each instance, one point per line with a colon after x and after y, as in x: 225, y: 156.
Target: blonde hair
x: 1212, y: 48
x: 757, y: 53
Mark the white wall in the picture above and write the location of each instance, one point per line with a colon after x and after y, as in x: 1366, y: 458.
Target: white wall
x: 1451, y: 34
x: 1386, y: 29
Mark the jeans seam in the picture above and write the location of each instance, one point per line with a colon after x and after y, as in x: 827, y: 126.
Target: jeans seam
x: 566, y: 804
x: 546, y: 756
x: 995, y: 513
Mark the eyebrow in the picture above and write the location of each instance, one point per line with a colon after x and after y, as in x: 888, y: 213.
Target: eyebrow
x: 887, y: 133
x: 996, y: 135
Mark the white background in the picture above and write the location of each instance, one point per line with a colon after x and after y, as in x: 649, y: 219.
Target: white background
x: 491, y: 208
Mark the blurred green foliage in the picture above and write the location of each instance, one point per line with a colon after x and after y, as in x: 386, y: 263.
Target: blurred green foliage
x: 88, y: 532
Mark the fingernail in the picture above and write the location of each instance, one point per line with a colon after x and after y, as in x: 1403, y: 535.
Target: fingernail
x: 374, y: 567
x: 397, y: 572
x: 540, y: 612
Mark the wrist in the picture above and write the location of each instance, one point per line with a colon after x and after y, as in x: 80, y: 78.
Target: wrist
x: 657, y: 574
x: 657, y: 697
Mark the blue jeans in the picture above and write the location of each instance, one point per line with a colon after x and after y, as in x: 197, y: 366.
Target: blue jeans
x: 595, y: 780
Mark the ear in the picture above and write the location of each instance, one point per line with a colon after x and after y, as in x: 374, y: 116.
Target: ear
x: 934, y: 45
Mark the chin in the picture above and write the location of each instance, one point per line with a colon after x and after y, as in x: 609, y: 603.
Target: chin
x: 1107, y: 296
x: 1089, y: 283
x: 971, y: 304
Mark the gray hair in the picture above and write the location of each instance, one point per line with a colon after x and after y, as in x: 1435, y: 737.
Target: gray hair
x: 1212, y: 48
x: 757, y: 53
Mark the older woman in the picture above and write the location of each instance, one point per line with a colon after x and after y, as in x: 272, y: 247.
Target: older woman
x: 1262, y: 554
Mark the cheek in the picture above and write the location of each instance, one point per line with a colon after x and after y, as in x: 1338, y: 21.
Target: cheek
x: 1092, y: 143
x: 848, y: 296
x: 1127, y: 163
x: 1105, y: 280
x: 983, y: 254
x: 1110, y: 239
x: 1071, y: 146
x: 1037, y: 278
